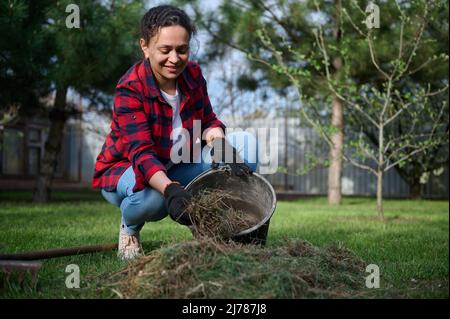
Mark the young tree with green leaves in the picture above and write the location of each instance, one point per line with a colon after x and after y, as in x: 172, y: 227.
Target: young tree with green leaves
x: 277, y: 37
x: 392, y: 97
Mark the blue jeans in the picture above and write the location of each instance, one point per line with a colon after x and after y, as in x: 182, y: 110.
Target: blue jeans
x: 148, y: 205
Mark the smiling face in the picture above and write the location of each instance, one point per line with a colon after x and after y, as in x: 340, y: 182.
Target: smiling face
x: 168, y: 52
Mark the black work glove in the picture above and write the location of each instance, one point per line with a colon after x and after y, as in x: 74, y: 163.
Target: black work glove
x: 219, y: 153
x: 177, y: 201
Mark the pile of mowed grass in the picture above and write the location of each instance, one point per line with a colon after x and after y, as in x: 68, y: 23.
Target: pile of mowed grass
x: 211, y: 269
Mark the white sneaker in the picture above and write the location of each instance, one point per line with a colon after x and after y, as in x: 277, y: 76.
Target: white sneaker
x: 129, y: 245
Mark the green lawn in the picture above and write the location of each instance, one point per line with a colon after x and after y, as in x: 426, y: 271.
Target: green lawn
x: 411, y: 248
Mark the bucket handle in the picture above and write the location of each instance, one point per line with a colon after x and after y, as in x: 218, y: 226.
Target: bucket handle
x: 220, y: 166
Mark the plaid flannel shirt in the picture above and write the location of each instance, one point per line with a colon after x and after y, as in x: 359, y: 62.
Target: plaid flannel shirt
x: 142, y: 123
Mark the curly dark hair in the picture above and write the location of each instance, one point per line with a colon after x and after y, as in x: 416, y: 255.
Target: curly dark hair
x: 164, y: 16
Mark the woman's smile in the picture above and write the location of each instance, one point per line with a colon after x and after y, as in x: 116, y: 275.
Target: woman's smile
x: 172, y: 69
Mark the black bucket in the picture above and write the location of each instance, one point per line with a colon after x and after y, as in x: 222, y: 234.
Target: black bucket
x: 256, y: 197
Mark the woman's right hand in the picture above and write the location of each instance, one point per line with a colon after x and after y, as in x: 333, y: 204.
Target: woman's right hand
x: 177, y: 202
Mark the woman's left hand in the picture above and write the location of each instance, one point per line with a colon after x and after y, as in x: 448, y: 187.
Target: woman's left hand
x: 219, y: 152
x: 212, y: 134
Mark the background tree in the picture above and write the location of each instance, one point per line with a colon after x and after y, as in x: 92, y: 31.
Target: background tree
x: 278, y: 38
x: 230, y: 76
x: 40, y: 55
x: 392, y: 97
x: 25, y: 51
x: 90, y: 59
x: 434, y: 73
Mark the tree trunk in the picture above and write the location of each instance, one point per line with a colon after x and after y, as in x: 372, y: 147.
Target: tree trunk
x: 411, y: 176
x: 58, y: 117
x: 337, y: 122
x: 380, y: 171
x: 286, y: 145
x: 335, y: 169
x: 415, y: 188
x: 380, y: 195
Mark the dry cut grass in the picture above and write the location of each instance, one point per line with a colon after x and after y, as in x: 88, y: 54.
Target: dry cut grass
x: 211, y: 269
x: 214, y: 216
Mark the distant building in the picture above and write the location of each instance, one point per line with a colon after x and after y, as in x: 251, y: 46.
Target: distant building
x: 22, y: 147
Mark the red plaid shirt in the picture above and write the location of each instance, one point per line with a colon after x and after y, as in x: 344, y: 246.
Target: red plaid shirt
x: 142, y: 123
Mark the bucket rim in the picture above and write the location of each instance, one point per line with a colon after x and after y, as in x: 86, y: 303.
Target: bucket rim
x: 272, y: 191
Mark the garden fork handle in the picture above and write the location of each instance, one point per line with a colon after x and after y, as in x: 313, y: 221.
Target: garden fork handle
x: 59, y: 252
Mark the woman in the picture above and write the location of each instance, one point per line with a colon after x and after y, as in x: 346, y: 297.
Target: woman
x: 157, y: 101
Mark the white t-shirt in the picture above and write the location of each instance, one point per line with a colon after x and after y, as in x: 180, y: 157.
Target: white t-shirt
x: 174, y: 102
x: 177, y: 125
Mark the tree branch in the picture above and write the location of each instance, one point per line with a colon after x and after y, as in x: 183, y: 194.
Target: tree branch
x: 373, y: 58
x: 363, y: 166
x: 285, y: 27
x: 404, y: 158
